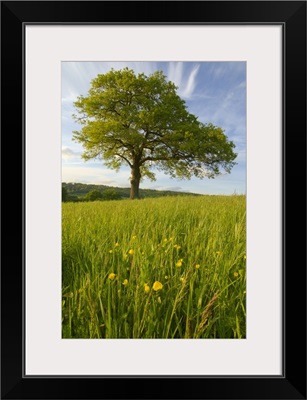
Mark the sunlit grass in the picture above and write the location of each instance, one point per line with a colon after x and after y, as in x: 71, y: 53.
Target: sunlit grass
x: 154, y: 268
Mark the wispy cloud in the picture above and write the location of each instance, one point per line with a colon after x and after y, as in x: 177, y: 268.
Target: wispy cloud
x: 218, y: 72
x: 176, y: 189
x: 94, y: 175
x: 172, y: 188
x: 184, y: 80
x: 191, y: 83
x: 70, y: 155
x: 175, y: 72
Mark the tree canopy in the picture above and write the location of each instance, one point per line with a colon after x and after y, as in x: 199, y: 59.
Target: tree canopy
x: 140, y: 121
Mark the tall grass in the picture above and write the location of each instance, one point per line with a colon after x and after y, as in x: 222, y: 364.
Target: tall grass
x: 115, y: 254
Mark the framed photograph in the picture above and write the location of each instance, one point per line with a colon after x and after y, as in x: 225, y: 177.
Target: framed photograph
x: 162, y: 174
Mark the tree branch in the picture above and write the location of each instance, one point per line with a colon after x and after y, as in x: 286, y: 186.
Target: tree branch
x: 124, y: 158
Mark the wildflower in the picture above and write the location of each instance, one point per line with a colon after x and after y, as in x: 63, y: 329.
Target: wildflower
x: 165, y: 240
x: 131, y: 252
x: 125, y: 283
x: 197, y: 266
x: 166, y: 277
x: 112, y: 276
x: 143, y: 252
x: 133, y: 237
x: 176, y: 246
x: 235, y: 274
x: 146, y: 288
x: 157, y: 286
x: 182, y: 279
x: 116, y: 244
x: 171, y: 239
x: 110, y: 251
x: 179, y: 263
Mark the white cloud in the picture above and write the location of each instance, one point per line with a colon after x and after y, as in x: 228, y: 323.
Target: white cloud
x: 95, y: 175
x: 176, y: 189
x: 175, y: 72
x: 177, y: 75
x: 70, y: 155
x: 172, y: 188
x: 191, y: 83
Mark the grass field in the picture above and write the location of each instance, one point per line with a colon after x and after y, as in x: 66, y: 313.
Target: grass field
x: 172, y: 267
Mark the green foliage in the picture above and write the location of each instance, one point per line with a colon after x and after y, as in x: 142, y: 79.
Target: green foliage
x: 93, y: 195
x: 140, y: 121
x: 194, y: 246
x: 111, y: 194
x: 64, y: 194
x: 106, y: 194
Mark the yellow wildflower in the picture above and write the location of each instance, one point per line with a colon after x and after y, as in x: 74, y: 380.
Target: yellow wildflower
x: 131, y: 252
x: 116, y: 244
x: 157, y: 286
x: 166, y: 277
x: 235, y: 274
x: 182, y: 279
x: 176, y: 246
x: 133, y: 237
x: 125, y: 283
x: 197, y: 266
x: 165, y: 240
x: 146, y: 288
x: 179, y: 263
x: 112, y: 276
x: 110, y: 251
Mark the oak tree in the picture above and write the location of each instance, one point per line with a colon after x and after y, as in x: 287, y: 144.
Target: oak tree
x: 140, y: 121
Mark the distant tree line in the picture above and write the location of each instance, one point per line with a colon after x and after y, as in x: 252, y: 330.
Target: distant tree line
x: 78, y: 192
x: 92, y: 195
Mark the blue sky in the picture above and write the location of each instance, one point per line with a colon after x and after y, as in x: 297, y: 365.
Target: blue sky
x: 213, y: 91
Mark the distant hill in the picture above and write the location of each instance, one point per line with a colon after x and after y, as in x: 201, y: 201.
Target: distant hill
x: 77, y: 191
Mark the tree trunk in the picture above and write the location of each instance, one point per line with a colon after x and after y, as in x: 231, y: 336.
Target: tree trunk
x: 135, y: 182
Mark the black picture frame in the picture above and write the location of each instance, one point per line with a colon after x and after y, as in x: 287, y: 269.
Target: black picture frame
x: 14, y: 16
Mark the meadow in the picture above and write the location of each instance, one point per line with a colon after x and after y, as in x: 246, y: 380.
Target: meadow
x: 170, y: 267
